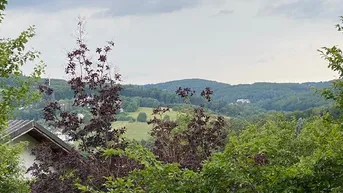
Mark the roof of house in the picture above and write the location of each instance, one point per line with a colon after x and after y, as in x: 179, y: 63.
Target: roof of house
x: 17, y: 128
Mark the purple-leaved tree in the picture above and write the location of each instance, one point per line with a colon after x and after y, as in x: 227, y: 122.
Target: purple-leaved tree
x: 98, y: 145
x: 96, y: 90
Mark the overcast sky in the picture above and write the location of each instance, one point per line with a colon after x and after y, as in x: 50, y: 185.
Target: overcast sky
x: 232, y: 41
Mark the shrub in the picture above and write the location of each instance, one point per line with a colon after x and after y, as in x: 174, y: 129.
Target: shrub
x: 125, y: 117
x: 166, y: 118
x: 142, y: 117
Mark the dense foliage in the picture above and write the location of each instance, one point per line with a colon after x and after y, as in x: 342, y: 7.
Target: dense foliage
x: 188, y: 141
x: 266, y: 158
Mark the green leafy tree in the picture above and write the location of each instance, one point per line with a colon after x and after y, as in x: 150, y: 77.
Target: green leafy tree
x: 334, y: 56
x: 142, y: 117
x: 272, y: 158
x: 11, y: 174
x: 13, y: 55
x: 130, y: 104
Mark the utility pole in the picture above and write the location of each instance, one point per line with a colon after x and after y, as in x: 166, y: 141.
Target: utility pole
x: 52, y: 97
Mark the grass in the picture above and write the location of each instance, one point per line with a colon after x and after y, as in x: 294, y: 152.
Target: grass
x: 172, y: 114
x: 135, y: 130
x: 139, y: 130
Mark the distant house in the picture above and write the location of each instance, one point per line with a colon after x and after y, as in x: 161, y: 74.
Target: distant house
x: 34, y: 134
x: 242, y: 101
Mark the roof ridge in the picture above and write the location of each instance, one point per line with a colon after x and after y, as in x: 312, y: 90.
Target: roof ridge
x: 17, y: 128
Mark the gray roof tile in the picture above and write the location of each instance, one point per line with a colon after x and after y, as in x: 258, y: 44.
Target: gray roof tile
x: 15, y: 125
x: 17, y: 128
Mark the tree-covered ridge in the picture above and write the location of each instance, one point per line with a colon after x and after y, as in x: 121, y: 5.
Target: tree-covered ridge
x: 194, y: 83
x: 263, y: 97
x: 254, y: 92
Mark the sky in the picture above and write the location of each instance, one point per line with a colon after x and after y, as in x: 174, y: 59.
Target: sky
x: 231, y: 41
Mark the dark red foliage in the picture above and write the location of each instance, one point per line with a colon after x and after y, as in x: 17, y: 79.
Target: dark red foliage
x: 185, y: 93
x: 44, y: 88
x: 96, y: 90
x: 261, y: 159
x: 160, y: 111
x: 192, y: 145
x: 207, y: 94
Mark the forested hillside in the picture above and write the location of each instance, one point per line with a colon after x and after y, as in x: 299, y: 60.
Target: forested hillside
x: 259, y: 97
x: 268, y: 96
x: 254, y: 92
x: 196, y: 84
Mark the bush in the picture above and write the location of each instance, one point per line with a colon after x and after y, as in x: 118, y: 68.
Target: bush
x: 166, y: 118
x: 131, y: 107
x: 125, y: 117
x: 142, y: 117
x: 130, y: 104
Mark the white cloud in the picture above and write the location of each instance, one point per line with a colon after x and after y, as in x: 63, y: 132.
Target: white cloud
x: 113, y: 7
x: 190, y: 43
x: 303, y: 9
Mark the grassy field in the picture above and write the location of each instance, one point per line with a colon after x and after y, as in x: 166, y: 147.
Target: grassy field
x: 139, y: 130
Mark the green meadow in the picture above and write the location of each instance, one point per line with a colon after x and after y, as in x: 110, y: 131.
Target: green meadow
x: 139, y: 130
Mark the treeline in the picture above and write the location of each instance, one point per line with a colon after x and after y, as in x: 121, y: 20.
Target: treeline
x: 263, y: 96
x: 269, y: 96
x: 254, y: 92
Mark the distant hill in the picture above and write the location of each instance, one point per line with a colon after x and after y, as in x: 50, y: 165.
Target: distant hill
x: 262, y: 96
x: 254, y: 92
x: 196, y: 84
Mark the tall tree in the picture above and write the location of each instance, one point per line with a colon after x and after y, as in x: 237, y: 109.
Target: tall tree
x: 97, y: 89
x: 13, y: 55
